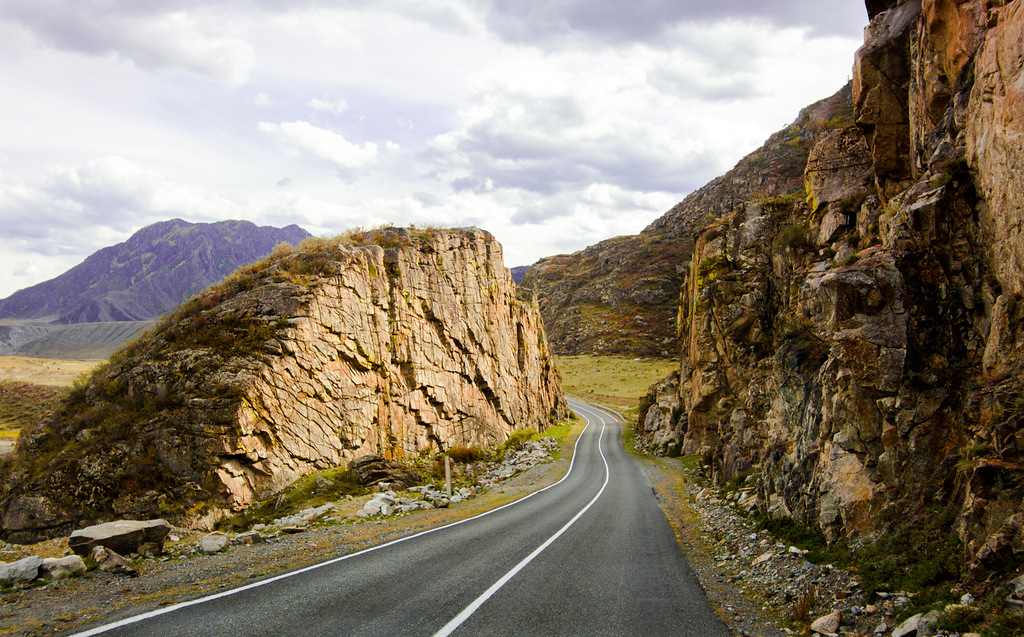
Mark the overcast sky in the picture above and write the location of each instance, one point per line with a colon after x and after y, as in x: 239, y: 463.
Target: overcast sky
x: 553, y: 124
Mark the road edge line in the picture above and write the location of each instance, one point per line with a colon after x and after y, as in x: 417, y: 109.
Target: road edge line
x: 134, y: 619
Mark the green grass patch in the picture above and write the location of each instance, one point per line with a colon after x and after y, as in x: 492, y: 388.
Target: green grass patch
x: 518, y: 439
x: 691, y: 463
x: 923, y: 558
x: 559, y: 431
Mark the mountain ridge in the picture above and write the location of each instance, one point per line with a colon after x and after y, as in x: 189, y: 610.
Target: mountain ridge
x: 148, y: 275
x: 620, y: 296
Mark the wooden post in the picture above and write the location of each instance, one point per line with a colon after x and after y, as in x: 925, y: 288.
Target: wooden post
x: 448, y: 475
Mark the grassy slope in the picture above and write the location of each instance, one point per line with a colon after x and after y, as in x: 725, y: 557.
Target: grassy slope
x: 616, y: 381
x: 23, y: 404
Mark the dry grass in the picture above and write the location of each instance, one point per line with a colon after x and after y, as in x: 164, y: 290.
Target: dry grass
x: 612, y: 380
x: 44, y: 371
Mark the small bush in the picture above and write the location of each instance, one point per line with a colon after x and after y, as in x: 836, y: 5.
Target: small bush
x: 518, y: 439
x: 792, y: 236
x: 961, y: 620
x: 465, y: 455
x: 800, y: 609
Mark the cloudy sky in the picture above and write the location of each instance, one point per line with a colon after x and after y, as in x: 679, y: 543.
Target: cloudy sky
x: 553, y: 124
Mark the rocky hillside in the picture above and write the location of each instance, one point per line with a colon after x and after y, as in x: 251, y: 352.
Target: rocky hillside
x: 620, y: 296
x: 393, y: 342
x: 860, y: 351
x: 148, y: 275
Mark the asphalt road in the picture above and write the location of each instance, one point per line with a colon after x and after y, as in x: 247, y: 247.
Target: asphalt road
x: 591, y: 555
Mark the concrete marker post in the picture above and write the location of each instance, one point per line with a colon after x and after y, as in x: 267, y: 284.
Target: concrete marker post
x: 448, y: 475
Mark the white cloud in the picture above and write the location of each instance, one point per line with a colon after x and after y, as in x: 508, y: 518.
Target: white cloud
x: 323, y: 144
x: 337, y: 107
x: 194, y: 40
x: 553, y: 125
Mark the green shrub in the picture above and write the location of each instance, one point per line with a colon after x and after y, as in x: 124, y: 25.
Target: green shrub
x: 793, y: 236
x: 850, y: 259
x: 517, y: 439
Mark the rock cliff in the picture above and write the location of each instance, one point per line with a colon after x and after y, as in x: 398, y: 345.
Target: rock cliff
x: 620, y: 296
x: 859, y: 350
x: 394, y: 342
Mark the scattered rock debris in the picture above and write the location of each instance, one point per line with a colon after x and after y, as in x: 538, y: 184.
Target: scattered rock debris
x: 757, y: 582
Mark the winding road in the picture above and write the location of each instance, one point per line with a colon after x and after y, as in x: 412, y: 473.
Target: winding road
x: 592, y: 554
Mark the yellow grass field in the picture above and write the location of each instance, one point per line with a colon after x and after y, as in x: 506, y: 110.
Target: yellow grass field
x: 44, y: 371
x: 615, y: 381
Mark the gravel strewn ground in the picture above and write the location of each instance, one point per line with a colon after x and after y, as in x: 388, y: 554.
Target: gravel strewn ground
x: 757, y: 582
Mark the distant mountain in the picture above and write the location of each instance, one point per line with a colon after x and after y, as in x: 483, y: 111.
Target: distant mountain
x: 148, y: 275
x: 518, y: 273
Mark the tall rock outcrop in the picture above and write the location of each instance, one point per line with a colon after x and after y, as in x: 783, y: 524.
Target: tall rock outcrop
x: 394, y: 342
x: 620, y: 296
x: 860, y: 350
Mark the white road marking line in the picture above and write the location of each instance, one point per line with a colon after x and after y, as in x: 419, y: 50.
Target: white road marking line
x: 450, y: 627
x: 170, y: 609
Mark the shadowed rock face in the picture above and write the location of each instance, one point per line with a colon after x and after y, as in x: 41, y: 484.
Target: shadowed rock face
x: 395, y: 342
x: 861, y: 350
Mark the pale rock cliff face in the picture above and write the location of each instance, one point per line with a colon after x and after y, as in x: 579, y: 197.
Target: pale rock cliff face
x: 407, y: 347
x: 435, y: 350
x: 860, y: 351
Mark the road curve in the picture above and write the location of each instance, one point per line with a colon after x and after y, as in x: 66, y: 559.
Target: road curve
x: 590, y: 555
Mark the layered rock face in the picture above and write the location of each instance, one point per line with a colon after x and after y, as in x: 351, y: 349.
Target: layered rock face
x: 861, y: 350
x: 620, y: 296
x: 397, y: 342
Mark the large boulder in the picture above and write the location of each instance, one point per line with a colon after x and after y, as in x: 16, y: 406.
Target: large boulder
x: 56, y: 568
x: 29, y: 519
x: 21, y: 572
x: 214, y: 542
x: 111, y: 562
x: 122, y: 536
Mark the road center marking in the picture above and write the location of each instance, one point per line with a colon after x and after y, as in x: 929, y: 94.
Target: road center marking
x: 450, y: 627
x: 209, y: 598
